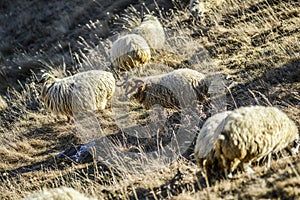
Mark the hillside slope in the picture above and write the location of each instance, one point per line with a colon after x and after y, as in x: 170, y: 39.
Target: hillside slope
x: 257, y: 43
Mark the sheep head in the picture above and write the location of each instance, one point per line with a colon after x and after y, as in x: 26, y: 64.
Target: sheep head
x: 137, y: 88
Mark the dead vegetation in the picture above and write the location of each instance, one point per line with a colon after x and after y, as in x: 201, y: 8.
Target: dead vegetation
x: 256, y: 42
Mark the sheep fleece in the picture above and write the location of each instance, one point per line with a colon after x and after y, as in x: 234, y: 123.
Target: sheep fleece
x: 251, y: 133
x: 84, y: 91
x: 174, y: 89
x: 130, y: 51
x: 152, y: 31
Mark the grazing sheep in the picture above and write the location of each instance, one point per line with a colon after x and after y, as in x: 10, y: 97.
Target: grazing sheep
x: 208, y: 137
x: 176, y: 89
x: 85, y: 91
x: 248, y: 134
x: 61, y: 193
x: 152, y: 31
x: 130, y: 51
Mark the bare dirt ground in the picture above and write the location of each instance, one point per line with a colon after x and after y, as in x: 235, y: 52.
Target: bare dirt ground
x: 256, y: 42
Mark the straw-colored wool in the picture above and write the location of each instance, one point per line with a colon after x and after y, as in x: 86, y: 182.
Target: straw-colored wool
x: 129, y: 51
x: 85, y: 91
x: 177, y: 89
x: 152, y: 31
x: 248, y: 134
x: 61, y: 193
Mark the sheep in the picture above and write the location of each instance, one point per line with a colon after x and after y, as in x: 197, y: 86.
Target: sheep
x: 61, y: 193
x: 129, y: 51
x: 85, y: 91
x: 171, y: 90
x: 249, y: 134
x: 152, y: 31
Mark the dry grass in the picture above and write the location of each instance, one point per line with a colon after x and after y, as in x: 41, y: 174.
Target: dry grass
x: 256, y: 42
x: 3, y: 104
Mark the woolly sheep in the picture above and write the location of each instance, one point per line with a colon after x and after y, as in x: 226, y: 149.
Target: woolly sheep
x: 250, y: 133
x: 152, y: 31
x: 85, y: 91
x: 130, y: 51
x: 61, y: 193
x: 172, y: 90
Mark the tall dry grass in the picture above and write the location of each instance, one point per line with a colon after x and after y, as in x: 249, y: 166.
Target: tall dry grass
x: 248, y: 39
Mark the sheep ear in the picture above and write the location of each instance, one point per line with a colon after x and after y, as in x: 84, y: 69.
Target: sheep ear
x: 142, y: 87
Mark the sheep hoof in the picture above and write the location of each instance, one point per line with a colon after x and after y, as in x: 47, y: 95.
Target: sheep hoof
x: 249, y: 170
x: 294, y: 151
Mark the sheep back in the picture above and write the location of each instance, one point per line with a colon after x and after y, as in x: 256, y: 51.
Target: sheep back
x: 85, y: 91
x: 130, y: 51
x: 250, y: 133
x: 195, y: 79
x: 172, y: 90
x: 152, y: 31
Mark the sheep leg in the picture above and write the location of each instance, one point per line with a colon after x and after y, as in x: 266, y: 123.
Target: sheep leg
x: 230, y: 175
x: 233, y: 165
x: 269, y: 161
x: 205, y: 174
